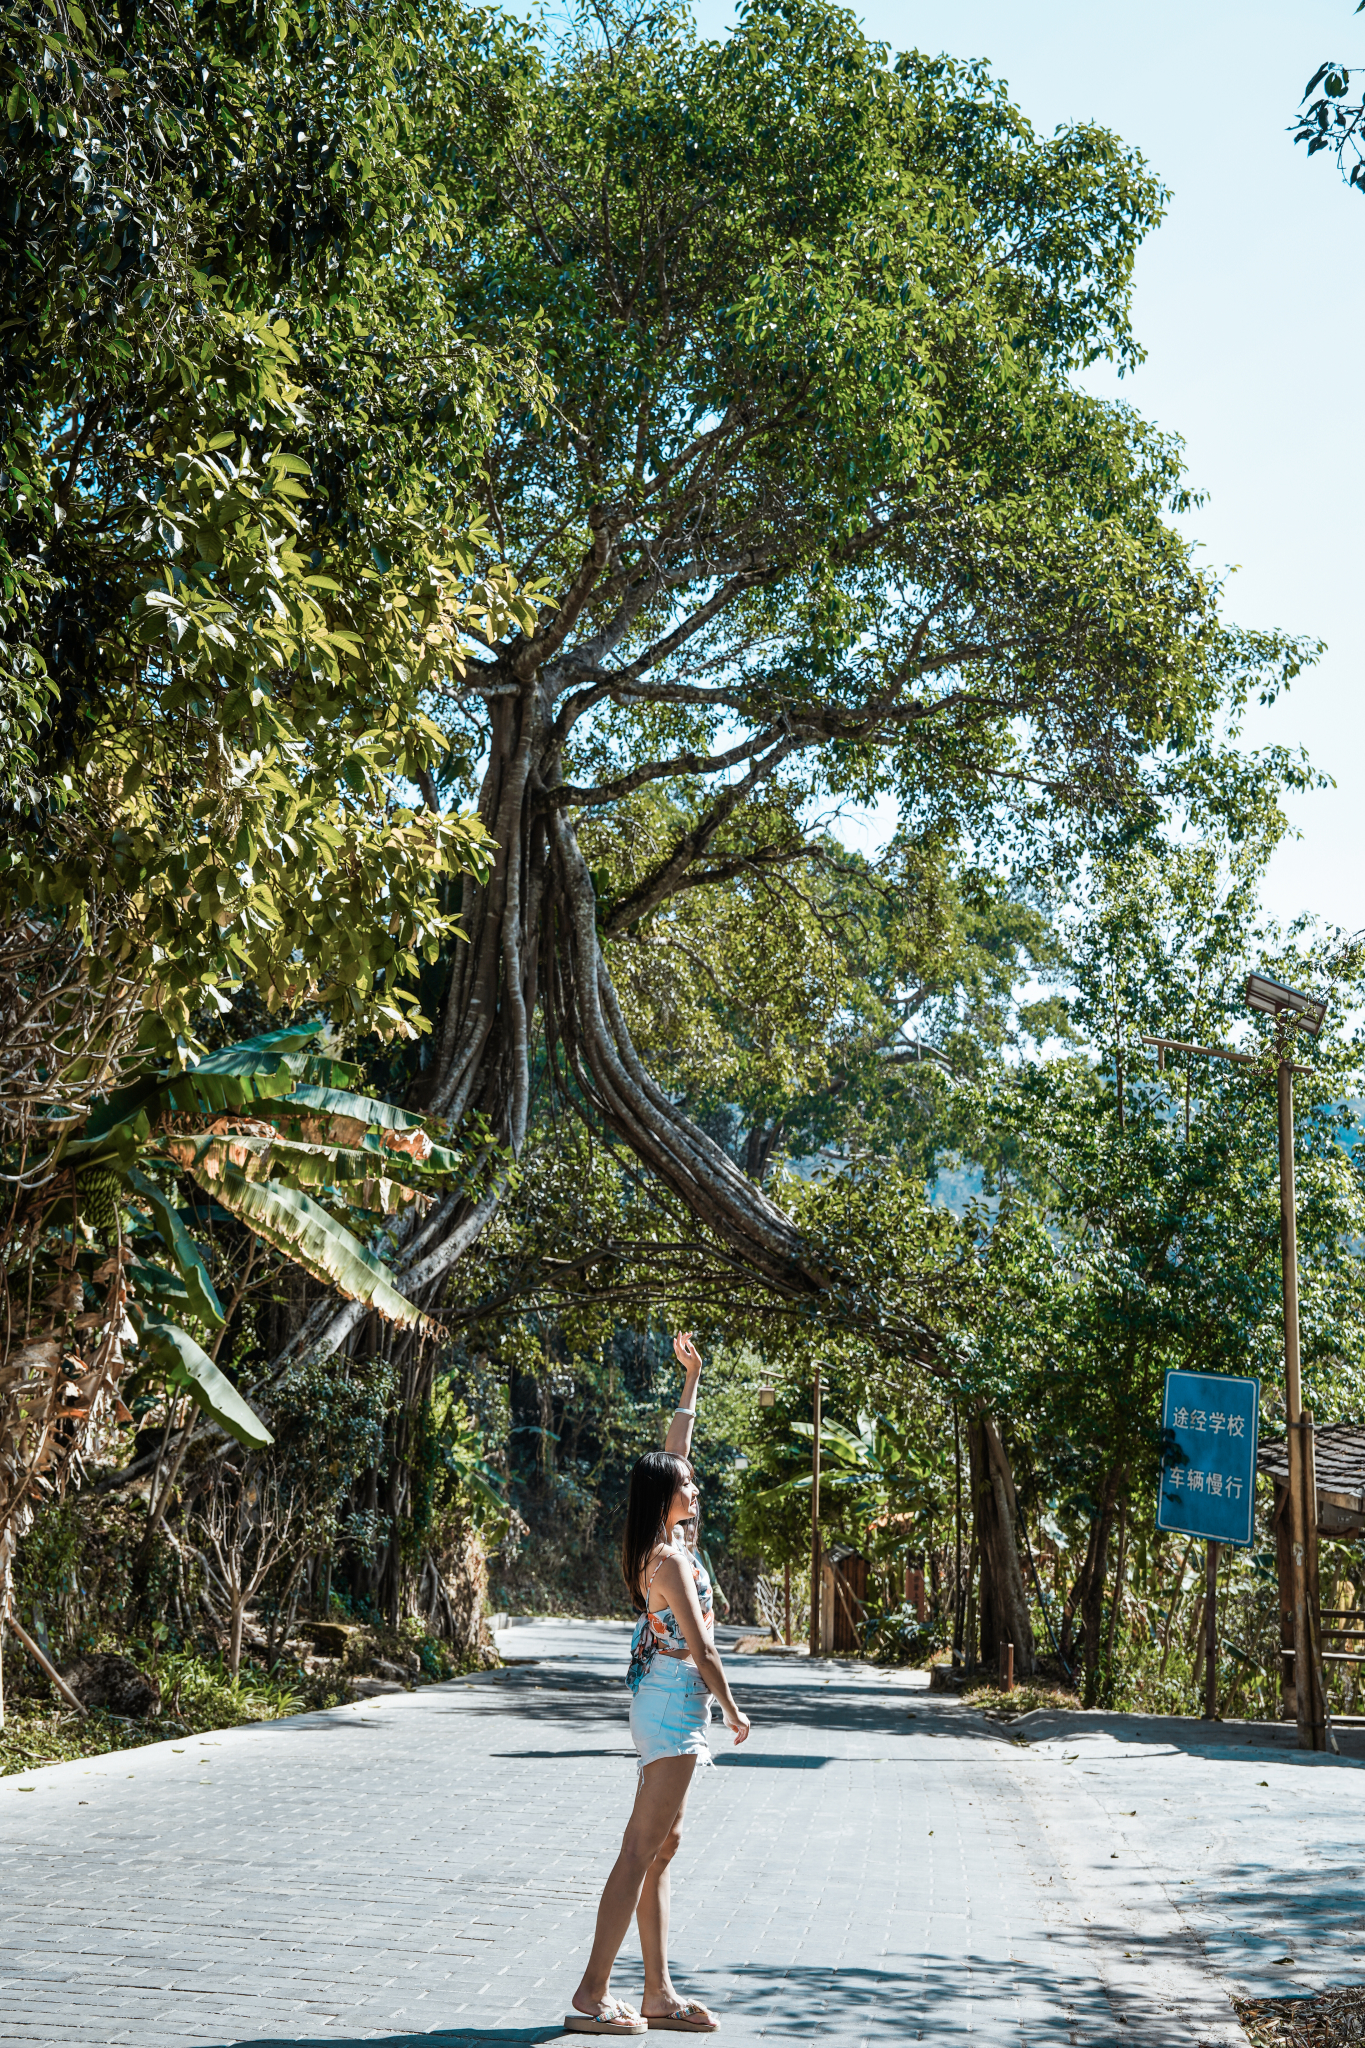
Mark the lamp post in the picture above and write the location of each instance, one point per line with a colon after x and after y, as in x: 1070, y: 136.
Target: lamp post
x: 1292, y: 1011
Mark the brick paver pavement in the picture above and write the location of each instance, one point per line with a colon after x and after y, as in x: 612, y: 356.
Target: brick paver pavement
x: 876, y: 1865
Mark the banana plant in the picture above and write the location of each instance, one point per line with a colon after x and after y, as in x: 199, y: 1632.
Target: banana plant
x: 275, y: 1134
x: 876, y: 1460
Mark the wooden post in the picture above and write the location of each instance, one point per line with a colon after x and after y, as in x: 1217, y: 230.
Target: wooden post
x: 1211, y: 1632
x: 1284, y: 1577
x: 959, y: 1592
x: 1009, y: 1667
x: 787, y: 1603
x: 1317, y: 1698
x: 815, y: 1526
x: 46, y: 1666
x: 1303, y: 1519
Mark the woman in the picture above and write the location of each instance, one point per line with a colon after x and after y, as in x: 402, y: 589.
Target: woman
x: 674, y: 1672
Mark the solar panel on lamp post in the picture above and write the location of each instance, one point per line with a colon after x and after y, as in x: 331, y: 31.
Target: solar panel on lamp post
x: 1294, y: 1011
x: 1286, y: 1005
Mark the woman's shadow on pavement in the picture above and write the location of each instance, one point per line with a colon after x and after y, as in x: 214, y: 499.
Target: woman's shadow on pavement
x: 448, y: 2037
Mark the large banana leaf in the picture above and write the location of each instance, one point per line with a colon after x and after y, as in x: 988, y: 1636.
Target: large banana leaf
x: 361, y: 1112
x: 255, y: 1070
x: 261, y: 1055
x: 194, y: 1093
x: 166, y: 1292
x: 836, y: 1442
x: 337, y: 1116
x: 302, y: 1229
x: 828, y: 1481
x: 191, y: 1369
x: 353, y: 1173
x: 203, y: 1296
x: 116, y: 1145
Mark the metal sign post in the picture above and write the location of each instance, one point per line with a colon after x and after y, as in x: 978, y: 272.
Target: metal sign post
x: 1209, y: 1426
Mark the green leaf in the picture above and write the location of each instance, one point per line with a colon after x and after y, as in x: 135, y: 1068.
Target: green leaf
x: 360, y: 1108
x: 203, y: 1296
x: 188, y: 1367
x: 369, y: 1115
x: 261, y: 1055
x: 230, y: 1079
x: 835, y: 1442
x: 167, y: 1290
x: 302, y: 1229
x: 356, y: 1174
x: 119, y: 1143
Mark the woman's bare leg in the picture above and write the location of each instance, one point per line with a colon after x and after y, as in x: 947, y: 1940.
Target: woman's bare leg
x: 651, y: 1917
x: 659, y: 1800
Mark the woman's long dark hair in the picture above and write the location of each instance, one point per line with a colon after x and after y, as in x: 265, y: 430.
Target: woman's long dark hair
x: 653, y: 1483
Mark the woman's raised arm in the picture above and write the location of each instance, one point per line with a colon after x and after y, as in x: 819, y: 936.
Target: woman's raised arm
x: 679, y: 1438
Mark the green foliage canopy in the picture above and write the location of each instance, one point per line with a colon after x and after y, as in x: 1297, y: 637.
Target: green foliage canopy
x: 235, y: 545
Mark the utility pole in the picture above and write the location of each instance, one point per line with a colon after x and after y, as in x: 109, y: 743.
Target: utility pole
x: 1292, y: 1011
x: 1310, y: 1706
x: 815, y: 1526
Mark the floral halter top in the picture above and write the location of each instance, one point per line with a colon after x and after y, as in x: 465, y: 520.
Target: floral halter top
x: 662, y: 1631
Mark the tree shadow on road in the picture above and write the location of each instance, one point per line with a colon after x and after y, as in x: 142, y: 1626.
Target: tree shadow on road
x: 586, y: 1700
x: 936, y: 1996
x: 1218, y: 1740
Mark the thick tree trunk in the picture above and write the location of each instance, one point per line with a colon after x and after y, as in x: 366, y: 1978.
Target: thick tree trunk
x: 532, y: 947
x: 1005, y: 1614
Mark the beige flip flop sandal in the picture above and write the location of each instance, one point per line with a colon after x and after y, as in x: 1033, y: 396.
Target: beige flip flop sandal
x: 688, y: 2018
x: 611, y: 2017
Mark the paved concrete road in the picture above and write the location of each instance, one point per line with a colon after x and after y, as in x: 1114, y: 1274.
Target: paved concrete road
x: 876, y: 1866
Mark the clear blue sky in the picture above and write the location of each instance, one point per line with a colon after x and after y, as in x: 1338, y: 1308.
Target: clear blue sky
x: 1249, y: 302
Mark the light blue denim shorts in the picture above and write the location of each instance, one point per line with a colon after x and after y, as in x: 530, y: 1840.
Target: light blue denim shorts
x: 671, y: 1713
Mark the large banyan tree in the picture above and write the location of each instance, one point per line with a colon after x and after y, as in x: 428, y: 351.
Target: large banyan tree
x: 818, y: 510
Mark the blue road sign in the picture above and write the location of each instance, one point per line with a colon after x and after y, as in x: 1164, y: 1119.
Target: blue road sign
x: 1208, y: 1456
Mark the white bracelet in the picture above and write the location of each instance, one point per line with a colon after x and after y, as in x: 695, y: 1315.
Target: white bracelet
x: 686, y: 1411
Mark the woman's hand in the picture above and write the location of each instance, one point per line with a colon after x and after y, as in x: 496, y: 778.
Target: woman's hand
x: 738, y: 1724
x: 686, y: 1352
